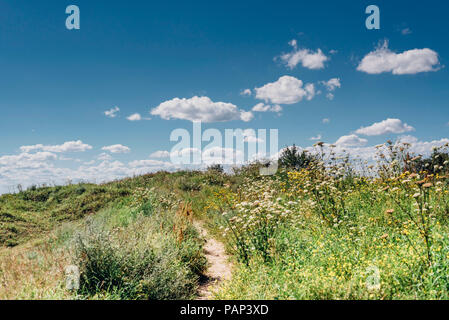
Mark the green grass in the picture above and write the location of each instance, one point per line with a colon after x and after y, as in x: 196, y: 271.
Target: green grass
x: 31, y: 213
x: 129, y: 241
x: 129, y: 254
x: 318, y: 233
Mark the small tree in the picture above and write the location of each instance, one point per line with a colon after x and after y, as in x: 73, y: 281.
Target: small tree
x: 293, y: 158
x: 216, y: 168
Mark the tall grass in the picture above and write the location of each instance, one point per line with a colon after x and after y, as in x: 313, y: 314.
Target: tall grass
x: 144, y: 248
x: 326, y: 231
x: 323, y: 227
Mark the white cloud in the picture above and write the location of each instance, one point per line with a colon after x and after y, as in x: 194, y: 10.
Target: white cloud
x: 422, y: 147
x: 326, y: 120
x: 384, y: 127
x: 104, y: 157
x: 26, y: 160
x: 218, y: 155
x: 357, y: 149
x: 150, y: 163
x: 112, y: 113
x: 69, y: 146
x: 42, y: 168
x: 246, y: 92
x: 185, y: 152
x: 332, y: 84
x: 408, y: 62
x: 351, y: 141
x: 246, y: 116
x: 249, y: 135
x: 200, y: 109
x: 307, y: 58
x: 317, y: 138
x: 117, y: 148
x: 160, y: 154
x: 261, y: 107
x: 134, y: 117
x: 286, y: 90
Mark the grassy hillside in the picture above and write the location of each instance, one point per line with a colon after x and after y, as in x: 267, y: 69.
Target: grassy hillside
x: 129, y: 240
x: 321, y: 228
x: 32, y: 212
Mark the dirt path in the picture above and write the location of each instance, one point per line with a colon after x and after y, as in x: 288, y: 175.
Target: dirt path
x: 219, y: 266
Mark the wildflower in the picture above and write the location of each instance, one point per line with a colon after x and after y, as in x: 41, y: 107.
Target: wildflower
x: 416, y: 195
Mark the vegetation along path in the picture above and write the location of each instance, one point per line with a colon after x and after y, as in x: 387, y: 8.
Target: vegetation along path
x: 219, y: 267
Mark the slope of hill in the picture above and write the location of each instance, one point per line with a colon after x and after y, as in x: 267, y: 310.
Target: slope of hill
x: 318, y: 231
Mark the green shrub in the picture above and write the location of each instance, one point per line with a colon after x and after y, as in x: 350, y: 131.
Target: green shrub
x: 187, y: 184
x: 138, y: 260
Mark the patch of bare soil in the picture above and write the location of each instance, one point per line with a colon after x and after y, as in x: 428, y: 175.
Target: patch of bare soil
x: 219, y: 267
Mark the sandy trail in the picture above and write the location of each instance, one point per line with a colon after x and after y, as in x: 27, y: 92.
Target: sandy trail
x: 219, y: 267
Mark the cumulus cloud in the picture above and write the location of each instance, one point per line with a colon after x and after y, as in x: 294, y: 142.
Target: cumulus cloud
x: 246, y: 92
x: 219, y: 155
x: 317, y: 138
x: 186, y: 152
x: 408, y: 62
x: 26, y: 160
x: 261, y: 107
x: 286, y: 90
x: 422, y: 147
x: 160, y: 154
x: 69, y: 146
x: 249, y: 135
x: 112, y: 113
x: 200, y: 109
x: 150, y: 163
x: 116, y: 148
x: 134, y: 117
x: 307, y: 58
x: 41, y: 168
x: 358, y: 150
x: 386, y: 126
x: 351, y: 141
x: 104, y: 156
x: 332, y: 84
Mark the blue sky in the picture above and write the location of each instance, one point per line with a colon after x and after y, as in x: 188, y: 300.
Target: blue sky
x: 56, y: 84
